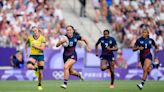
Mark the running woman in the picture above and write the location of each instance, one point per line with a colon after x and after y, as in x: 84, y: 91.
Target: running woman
x: 36, y: 58
x: 108, y: 45
x: 144, y: 44
x: 69, y: 55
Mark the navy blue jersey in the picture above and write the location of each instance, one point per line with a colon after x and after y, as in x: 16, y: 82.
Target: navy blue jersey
x: 147, y: 44
x: 109, y: 42
x: 70, y: 49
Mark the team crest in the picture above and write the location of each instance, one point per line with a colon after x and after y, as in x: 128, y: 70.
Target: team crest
x: 110, y: 42
x: 141, y: 42
x: 72, y: 56
x: 102, y: 41
x: 75, y: 40
x: 150, y: 42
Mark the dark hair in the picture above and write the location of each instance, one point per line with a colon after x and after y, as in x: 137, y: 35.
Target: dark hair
x: 106, y: 30
x: 74, y: 30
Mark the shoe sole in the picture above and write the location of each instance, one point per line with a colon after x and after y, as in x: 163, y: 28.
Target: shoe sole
x: 63, y: 87
x: 139, y: 87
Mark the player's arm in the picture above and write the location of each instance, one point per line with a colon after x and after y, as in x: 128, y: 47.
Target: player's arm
x: 61, y: 42
x: 86, y: 42
x: 96, y: 46
x: 114, y: 48
x: 155, y: 45
x: 42, y: 47
x: 136, y: 46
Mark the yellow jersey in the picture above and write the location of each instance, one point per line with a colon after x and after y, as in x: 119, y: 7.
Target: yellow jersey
x: 37, y: 42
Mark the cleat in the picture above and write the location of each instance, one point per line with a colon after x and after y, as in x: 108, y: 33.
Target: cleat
x: 81, y: 77
x: 63, y: 86
x: 111, y: 86
x: 40, y: 88
x: 140, y: 86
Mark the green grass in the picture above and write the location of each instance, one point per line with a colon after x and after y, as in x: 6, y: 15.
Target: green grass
x: 78, y: 86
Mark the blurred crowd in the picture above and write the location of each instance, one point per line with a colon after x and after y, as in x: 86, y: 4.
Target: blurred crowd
x: 126, y: 17
x: 129, y: 17
x: 17, y: 17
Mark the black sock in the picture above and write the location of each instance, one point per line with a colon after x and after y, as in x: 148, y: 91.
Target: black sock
x: 65, y: 81
x: 39, y: 84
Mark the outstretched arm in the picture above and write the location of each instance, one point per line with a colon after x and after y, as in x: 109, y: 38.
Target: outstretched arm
x: 96, y: 47
x: 87, y: 44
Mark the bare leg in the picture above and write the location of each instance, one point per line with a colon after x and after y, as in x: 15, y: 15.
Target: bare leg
x: 112, y: 72
x: 31, y: 64
x: 67, y: 67
x: 103, y: 65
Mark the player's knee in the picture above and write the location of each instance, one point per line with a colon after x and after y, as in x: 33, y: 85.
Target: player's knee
x: 72, y: 72
x: 66, y: 67
x: 30, y: 65
x: 103, y: 69
x: 112, y: 71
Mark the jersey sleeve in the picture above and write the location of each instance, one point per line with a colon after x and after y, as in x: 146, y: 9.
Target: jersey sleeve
x: 137, y: 42
x: 78, y: 37
x: 98, y: 42
x: 153, y: 43
x: 43, y: 40
x: 28, y: 39
x: 114, y: 42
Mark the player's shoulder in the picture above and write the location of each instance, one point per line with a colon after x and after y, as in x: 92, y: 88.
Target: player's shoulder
x: 41, y: 36
x: 76, y: 35
x: 140, y: 38
x: 102, y: 37
x: 30, y: 37
x: 111, y: 38
x: 151, y: 39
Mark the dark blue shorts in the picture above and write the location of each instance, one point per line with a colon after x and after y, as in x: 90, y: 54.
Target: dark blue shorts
x: 73, y: 56
x: 142, y: 59
x: 37, y: 57
x: 109, y: 58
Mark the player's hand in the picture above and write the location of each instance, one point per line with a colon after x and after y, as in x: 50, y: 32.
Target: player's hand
x: 97, y: 54
x: 88, y: 49
x: 141, y: 48
x: 63, y: 40
x: 33, y: 45
x: 108, y: 48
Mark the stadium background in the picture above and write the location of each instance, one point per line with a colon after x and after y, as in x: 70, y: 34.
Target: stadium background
x: 124, y: 19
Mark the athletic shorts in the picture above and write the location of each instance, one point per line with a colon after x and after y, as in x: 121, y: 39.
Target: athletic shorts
x: 142, y: 60
x: 73, y: 56
x: 109, y: 58
x: 37, y: 57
